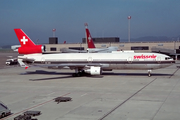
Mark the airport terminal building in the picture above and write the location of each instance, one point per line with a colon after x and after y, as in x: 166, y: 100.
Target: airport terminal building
x: 171, y: 48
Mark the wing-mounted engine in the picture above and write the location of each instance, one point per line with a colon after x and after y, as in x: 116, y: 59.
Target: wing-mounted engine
x: 32, y: 49
x: 94, y: 70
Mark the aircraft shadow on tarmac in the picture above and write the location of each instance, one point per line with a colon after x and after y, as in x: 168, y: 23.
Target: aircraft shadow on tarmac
x: 137, y: 74
x: 62, y: 77
x: 45, y: 72
x: 69, y: 74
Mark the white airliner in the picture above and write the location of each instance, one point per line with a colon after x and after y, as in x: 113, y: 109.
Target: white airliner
x: 95, y: 63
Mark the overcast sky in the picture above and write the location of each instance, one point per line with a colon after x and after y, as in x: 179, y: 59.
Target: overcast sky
x: 105, y: 18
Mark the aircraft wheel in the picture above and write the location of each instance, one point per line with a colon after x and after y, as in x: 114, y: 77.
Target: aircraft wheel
x: 78, y: 74
x: 3, y: 115
x: 149, y: 73
x: 74, y: 75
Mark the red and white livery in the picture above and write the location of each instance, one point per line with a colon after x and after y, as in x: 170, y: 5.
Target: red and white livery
x: 95, y: 63
x: 27, y: 45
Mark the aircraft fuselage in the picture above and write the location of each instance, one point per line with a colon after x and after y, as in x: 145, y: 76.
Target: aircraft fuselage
x: 105, y: 60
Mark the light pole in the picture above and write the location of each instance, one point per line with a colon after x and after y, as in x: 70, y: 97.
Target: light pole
x: 129, y: 18
x: 54, y: 30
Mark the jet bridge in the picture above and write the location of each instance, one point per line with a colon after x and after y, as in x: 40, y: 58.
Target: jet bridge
x: 175, y: 53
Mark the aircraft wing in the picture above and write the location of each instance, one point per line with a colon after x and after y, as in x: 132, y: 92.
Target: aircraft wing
x: 70, y: 65
x: 26, y: 59
x: 22, y: 60
x: 66, y: 50
x: 102, y: 50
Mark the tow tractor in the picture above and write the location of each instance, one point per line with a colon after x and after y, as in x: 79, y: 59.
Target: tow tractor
x: 62, y: 99
x: 12, y: 61
x: 28, y: 115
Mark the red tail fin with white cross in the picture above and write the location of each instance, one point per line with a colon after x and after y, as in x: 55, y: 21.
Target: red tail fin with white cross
x: 27, y: 45
x: 89, y: 38
x: 23, y: 38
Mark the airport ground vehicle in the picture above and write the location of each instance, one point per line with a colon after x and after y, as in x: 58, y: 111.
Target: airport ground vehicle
x: 12, y: 61
x: 32, y: 113
x: 62, y: 99
x: 4, y: 111
x: 28, y: 115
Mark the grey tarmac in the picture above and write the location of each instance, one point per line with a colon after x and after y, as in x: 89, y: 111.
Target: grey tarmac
x: 116, y: 95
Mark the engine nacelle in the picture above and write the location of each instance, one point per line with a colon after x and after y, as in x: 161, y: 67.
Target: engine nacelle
x: 32, y: 49
x: 94, y: 70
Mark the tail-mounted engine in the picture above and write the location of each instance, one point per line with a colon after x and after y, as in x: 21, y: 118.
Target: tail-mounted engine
x: 32, y: 49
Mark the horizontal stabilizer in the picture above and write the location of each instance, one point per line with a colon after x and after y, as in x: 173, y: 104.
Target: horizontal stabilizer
x: 26, y: 59
x: 22, y: 64
x: 15, y: 47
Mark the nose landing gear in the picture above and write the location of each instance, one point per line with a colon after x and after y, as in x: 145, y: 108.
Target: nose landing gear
x: 149, y: 73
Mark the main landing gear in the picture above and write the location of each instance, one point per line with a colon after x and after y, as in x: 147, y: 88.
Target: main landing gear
x: 149, y: 73
x: 76, y: 74
x: 79, y: 73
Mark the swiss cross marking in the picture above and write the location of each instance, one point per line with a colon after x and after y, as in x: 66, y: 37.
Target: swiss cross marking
x: 89, y: 38
x: 24, y: 40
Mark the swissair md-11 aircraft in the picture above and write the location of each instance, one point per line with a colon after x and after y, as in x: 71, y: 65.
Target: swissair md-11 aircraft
x: 95, y: 63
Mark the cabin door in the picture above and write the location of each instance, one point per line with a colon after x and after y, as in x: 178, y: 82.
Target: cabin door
x: 130, y: 60
x: 42, y: 60
x: 89, y: 59
x: 159, y: 59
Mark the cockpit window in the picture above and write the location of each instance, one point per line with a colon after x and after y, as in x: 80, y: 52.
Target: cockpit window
x: 167, y: 58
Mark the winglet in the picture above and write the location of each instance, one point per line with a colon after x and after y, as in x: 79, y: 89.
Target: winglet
x: 88, y: 37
